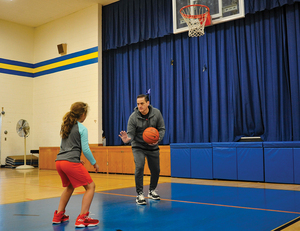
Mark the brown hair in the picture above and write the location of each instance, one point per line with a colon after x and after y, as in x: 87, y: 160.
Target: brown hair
x: 70, y: 118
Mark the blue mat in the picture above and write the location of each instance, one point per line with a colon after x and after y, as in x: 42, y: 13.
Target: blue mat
x: 183, y: 207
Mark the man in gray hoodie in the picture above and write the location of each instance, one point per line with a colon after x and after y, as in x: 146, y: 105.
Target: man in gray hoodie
x: 144, y: 116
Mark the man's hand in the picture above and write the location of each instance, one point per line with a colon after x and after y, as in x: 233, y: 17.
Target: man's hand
x: 154, y: 143
x: 123, y: 135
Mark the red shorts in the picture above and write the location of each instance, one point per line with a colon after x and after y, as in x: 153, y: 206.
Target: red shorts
x: 73, y: 173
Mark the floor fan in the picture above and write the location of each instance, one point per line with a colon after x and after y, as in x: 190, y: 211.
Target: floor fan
x: 23, y: 130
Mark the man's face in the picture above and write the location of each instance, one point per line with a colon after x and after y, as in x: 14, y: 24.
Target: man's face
x: 142, y: 105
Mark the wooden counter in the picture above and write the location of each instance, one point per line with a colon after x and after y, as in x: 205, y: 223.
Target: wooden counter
x: 111, y: 159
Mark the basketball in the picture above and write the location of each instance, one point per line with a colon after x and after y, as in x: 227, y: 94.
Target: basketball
x: 150, y: 135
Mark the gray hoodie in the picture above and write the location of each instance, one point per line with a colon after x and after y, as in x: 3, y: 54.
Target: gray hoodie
x: 137, y: 124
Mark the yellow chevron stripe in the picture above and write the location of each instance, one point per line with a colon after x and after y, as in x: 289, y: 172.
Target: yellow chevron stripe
x: 66, y: 62
x: 49, y: 66
x: 16, y: 68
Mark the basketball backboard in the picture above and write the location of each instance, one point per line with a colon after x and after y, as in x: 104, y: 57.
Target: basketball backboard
x: 220, y: 10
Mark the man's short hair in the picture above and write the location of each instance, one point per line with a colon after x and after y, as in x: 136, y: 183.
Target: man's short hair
x: 143, y: 96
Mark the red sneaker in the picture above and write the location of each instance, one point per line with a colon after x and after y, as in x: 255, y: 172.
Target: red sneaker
x: 59, y: 217
x: 84, y: 220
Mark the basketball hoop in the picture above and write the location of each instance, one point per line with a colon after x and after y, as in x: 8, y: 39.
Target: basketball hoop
x: 196, y: 17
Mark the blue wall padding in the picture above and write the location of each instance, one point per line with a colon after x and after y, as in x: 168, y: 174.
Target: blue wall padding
x: 296, y: 165
x: 201, y: 163
x: 224, y: 144
x: 195, y: 145
x: 277, y: 162
x: 282, y: 161
x: 224, y: 163
x: 285, y: 144
x: 248, y: 144
x: 279, y: 166
x: 180, y: 161
x: 250, y: 162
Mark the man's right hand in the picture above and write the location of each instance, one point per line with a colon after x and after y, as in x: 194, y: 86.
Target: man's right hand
x: 123, y: 135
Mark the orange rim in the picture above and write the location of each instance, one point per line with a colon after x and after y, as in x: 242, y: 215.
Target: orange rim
x: 194, y: 16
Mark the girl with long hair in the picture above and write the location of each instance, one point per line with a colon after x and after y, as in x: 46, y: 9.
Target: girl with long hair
x: 70, y: 168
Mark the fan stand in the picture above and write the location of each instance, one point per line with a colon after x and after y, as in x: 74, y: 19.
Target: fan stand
x: 25, y: 166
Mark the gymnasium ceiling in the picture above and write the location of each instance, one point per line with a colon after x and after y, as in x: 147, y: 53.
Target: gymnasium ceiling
x: 34, y: 13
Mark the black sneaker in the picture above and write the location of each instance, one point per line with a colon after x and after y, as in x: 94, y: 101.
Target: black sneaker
x: 140, y: 199
x: 153, y: 195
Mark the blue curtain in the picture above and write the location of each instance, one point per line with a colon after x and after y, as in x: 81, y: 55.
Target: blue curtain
x: 253, y: 6
x: 131, y: 21
x: 241, y: 79
x: 130, y: 71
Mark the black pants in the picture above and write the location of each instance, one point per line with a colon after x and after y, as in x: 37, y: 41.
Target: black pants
x: 153, y: 163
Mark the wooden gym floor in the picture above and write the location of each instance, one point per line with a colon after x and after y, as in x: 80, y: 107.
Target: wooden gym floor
x: 29, y: 197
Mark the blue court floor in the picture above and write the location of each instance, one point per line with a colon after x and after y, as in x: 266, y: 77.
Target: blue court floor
x: 183, y: 207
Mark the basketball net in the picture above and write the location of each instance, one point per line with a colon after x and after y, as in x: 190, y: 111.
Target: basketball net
x: 196, y: 17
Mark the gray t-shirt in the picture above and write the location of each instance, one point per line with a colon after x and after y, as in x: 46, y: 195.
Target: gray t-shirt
x: 77, y: 141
